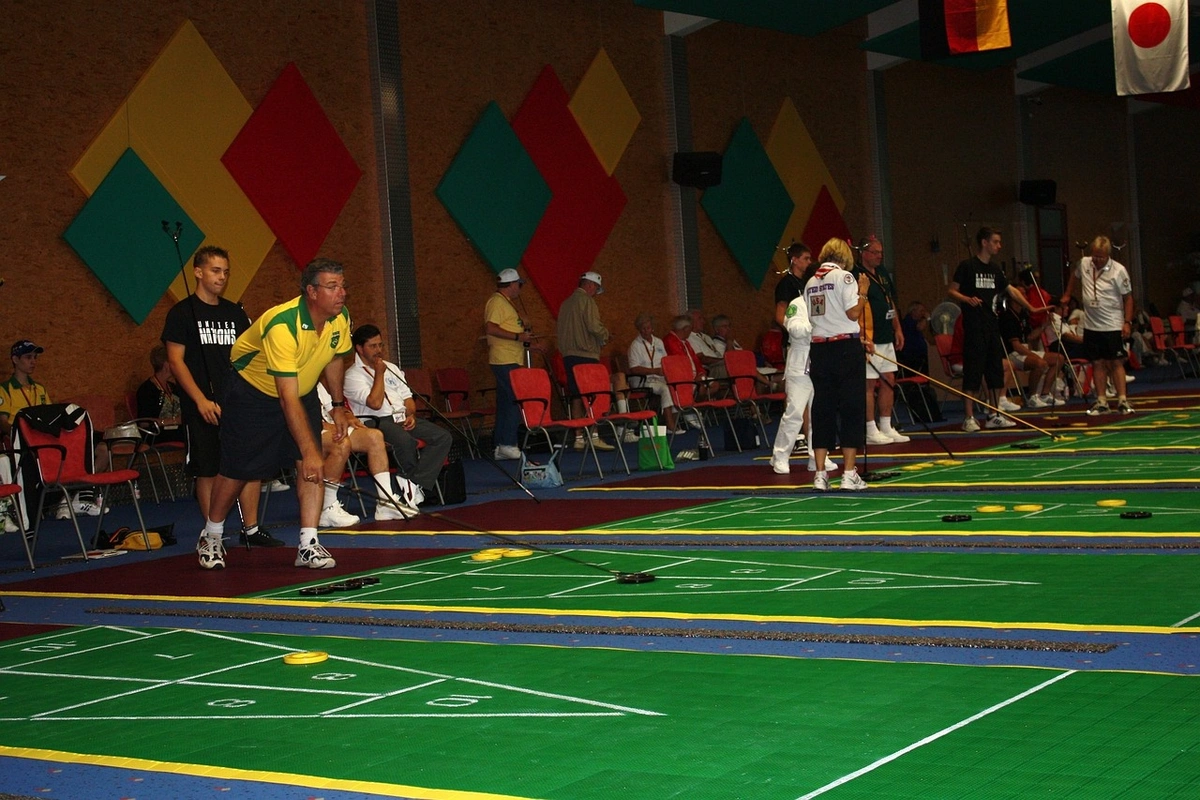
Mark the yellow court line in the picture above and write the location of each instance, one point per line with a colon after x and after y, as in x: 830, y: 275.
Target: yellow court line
x: 767, y: 487
x: 233, y: 773
x: 605, y: 614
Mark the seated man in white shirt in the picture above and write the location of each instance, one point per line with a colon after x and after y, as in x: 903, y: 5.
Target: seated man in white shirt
x: 645, y: 356
x: 359, y: 439
x: 377, y: 391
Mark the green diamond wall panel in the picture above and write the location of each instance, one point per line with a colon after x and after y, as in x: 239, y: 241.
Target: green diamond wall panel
x: 494, y: 192
x: 751, y: 206
x: 118, y: 233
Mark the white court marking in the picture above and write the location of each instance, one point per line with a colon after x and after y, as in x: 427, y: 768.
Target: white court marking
x: 332, y: 684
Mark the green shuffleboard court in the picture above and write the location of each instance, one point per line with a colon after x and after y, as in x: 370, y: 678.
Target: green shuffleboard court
x: 449, y: 720
x: 876, y: 513
x: 1132, y: 470
x: 985, y: 589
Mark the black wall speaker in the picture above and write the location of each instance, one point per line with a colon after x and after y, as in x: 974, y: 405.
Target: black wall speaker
x: 700, y: 170
x: 1038, y: 193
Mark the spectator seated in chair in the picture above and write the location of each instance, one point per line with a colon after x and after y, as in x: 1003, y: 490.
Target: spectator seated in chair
x: 158, y: 399
x: 360, y: 439
x: 646, y: 353
x: 377, y: 392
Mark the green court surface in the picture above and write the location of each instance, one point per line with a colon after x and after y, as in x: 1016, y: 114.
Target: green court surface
x: 1098, y: 470
x: 875, y: 513
x: 986, y: 589
x: 451, y: 720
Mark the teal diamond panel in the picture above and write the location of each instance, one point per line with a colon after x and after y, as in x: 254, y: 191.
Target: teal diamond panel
x: 751, y: 206
x: 119, y: 234
x: 494, y: 191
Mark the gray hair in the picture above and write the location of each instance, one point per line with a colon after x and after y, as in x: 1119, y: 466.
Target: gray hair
x: 315, y: 268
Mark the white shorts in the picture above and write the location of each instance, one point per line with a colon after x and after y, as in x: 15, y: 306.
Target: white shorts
x: 876, y: 366
x: 1017, y: 360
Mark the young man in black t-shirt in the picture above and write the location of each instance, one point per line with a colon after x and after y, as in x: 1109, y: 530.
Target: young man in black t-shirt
x: 198, y: 333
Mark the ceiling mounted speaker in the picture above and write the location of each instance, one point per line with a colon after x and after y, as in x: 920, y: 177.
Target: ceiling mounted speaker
x: 1038, y: 193
x: 700, y: 170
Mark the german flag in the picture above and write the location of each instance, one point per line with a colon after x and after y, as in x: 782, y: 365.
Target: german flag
x: 952, y: 27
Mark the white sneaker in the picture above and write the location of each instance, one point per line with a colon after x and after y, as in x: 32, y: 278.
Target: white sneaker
x: 9, y: 525
x: 630, y: 437
x: 800, y: 448
x: 314, y: 556
x: 334, y: 516
x: 830, y: 464
x: 1036, y: 401
x: 878, y: 437
x: 997, y: 421
x: 600, y: 444
x: 61, y: 511
x: 781, y: 469
x: 507, y: 452
x: 87, y: 506
x: 853, y: 482
x: 211, y: 552
x: 1007, y: 405
x: 821, y: 482
x: 687, y: 455
x: 1054, y: 400
x: 897, y: 437
x: 411, y: 494
x: 276, y: 485
x: 693, y: 423
x: 385, y: 511
x: 970, y: 425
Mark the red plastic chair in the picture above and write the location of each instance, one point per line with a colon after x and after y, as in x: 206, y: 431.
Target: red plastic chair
x: 455, y: 386
x: 1164, y: 342
x: 595, y: 389
x: 13, y: 491
x: 1180, y: 343
x: 678, y: 372
x: 772, y: 348
x: 742, y: 368
x: 531, y: 387
x: 64, y: 463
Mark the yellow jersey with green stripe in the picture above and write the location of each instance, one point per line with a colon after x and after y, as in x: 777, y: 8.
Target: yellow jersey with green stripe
x: 284, y: 343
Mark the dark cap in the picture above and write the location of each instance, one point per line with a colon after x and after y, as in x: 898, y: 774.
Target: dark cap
x: 24, y: 348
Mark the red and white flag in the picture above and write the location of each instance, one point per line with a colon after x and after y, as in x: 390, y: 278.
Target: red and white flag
x: 1150, y: 45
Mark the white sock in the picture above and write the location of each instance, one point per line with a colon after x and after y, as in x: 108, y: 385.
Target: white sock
x: 383, y: 483
x: 330, y: 496
x: 622, y: 405
x: 214, y: 530
x: 871, y: 427
x: 308, y: 536
x: 885, y: 424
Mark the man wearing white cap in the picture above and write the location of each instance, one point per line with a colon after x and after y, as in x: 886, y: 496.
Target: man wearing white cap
x: 581, y: 335
x: 507, y: 339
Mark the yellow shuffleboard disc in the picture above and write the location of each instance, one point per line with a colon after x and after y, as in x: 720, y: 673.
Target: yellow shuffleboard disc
x: 949, y: 462
x: 1115, y: 503
x: 516, y: 552
x: 991, y: 509
x: 1093, y: 433
x: 486, y: 556
x: 914, y: 467
x: 307, y: 657
x: 1028, y: 507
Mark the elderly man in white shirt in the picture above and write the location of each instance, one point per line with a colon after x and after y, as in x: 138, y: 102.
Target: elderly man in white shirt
x: 377, y: 391
x: 645, y: 355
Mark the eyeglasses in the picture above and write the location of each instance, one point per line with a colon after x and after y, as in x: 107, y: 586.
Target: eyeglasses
x: 332, y: 287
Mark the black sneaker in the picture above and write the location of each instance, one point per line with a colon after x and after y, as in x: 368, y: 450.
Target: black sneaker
x: 260, y: 538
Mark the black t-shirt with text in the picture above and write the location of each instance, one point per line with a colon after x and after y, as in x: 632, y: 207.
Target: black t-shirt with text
x: 985, y: 281
x: 207, y: 333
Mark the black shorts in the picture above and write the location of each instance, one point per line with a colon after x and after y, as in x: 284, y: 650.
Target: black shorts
x: 983, y: 357
x: 203, y: 446
x: 1103, y: 345
x: 255, y: 440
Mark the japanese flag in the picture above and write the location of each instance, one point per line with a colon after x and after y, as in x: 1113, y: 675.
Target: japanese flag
x: 1150, y: 45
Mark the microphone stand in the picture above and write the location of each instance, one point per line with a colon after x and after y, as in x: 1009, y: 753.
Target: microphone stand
x: 451, y: 426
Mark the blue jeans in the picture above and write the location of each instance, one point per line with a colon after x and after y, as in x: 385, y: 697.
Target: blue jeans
x: 508, y: 417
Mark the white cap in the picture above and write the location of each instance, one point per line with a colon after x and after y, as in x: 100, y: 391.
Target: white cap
x: 595, y: 278
x: 509, y: 276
